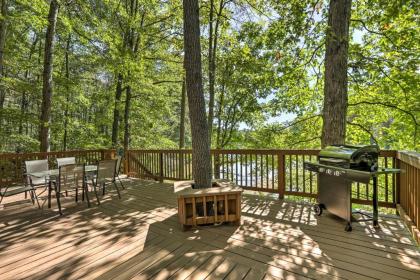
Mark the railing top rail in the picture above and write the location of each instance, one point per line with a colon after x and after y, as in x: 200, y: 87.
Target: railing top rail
x: 411, y: 158
x: 408, y: 156
x: 10, y: 155
x: 223, y: 150
x: 386, y: 153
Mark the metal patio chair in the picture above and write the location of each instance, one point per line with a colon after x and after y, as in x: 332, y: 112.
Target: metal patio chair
x: 71, y: 177
x: 106, y: 175
x: 32, y: 166
x: 7, y: 191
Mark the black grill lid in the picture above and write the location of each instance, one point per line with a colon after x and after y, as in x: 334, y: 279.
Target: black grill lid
x: 349, y: 152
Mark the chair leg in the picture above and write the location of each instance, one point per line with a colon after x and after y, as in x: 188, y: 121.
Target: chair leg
x: 103, y: 189
x: 57, y: 194
x: 77, y: 194
x: 36, y: 198
x: 85, y: 191
x: 118, y: 191
x: 96, y: 194
x: 32, y: 198
x: 122, y: 186
x: 26, y: 194
x: 49, y: 193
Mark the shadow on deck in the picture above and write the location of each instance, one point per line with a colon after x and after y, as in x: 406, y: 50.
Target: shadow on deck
x: 138, y: 237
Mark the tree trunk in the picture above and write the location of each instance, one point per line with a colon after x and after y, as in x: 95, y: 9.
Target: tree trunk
x: 3, y: 27
x: 335, y: 85
x: 24, y: 103
x: 213, y: 36
x: 182, y: 117
x: 218, y: 132
x: 66, y: 111
x: 47, y: 87
x: 211, y: 72
x: 116, y: 122
x: 127, y: 118
x: 182, y: 130
x: 201, y: 160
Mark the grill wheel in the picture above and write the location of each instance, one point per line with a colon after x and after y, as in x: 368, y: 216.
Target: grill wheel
x: 318, y: 209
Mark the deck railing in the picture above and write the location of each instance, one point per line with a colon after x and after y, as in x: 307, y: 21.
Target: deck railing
x: 12, y: 165
x: 272, y: 171
x: 409, y: 190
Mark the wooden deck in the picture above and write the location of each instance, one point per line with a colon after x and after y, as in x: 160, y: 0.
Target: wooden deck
x: 138, y: 237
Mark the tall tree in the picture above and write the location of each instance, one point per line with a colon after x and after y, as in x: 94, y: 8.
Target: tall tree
x: 116, y: 120
x: 3, y: 28
x: 201, y: 161
x: 67, y: 75
x: 182, y: 117
x: 213, y: 37
x: 127, y: 117
x: 335, y: 80
x: 47, y: 86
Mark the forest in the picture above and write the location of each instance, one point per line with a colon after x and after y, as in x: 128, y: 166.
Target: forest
x: 80, y: 74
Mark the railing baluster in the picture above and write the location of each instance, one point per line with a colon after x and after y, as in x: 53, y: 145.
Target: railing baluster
x: 236, y: 169
x: 310, y: 177
x: 303, y: 175
x: 256, y: 171
x: 241, y: 170
x: 272, y: 171
x: 261, y: 172
x: 290, y: 173
x: 246, y: 170
x: 297, y: 172
x: 386, y: 180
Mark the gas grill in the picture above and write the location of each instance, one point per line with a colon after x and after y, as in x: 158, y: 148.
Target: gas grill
x: 337, y: 167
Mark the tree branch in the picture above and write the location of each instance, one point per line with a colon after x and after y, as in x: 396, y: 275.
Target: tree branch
x: 364, y: 129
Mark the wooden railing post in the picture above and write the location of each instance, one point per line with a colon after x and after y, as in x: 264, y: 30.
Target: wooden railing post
x: 108, y: 154
x: 127, y: 162
x: 160, y: 167
x: 281, y: 175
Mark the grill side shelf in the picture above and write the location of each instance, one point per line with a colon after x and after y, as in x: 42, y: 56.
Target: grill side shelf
x: 349, y: 174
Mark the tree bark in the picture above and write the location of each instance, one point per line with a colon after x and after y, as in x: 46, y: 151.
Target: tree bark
x: 211, y: 72
x: 3, y: 29
x: 182, y: 117
x: 201, y: 160
x: 24, y: 103
x: 116, y: 122
x: 47, y: 86
x: 213, y: 36
x: 66, y: 111
x: 127, y: 118
x: 182, y: 129
x: 335, y: 84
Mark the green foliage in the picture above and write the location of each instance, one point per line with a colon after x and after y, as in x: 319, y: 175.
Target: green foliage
x: 269, y: 64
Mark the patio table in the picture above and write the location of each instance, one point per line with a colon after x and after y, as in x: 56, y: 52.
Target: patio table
x: 55, y: 172
x: 52, y: 174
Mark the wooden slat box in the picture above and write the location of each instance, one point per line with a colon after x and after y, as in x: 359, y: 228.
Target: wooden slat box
x: 197, y: 206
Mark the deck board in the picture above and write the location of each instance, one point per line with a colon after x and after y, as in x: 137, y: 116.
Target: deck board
x: 139, y: 237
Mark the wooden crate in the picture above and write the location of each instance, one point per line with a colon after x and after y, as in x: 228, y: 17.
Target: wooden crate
x: 221, y: 203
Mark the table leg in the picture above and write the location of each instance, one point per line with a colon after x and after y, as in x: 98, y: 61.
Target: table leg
x: 49, y: 194
x: 375, y: 201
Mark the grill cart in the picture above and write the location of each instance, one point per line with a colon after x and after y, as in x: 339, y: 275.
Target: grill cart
x: 337, y: 167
